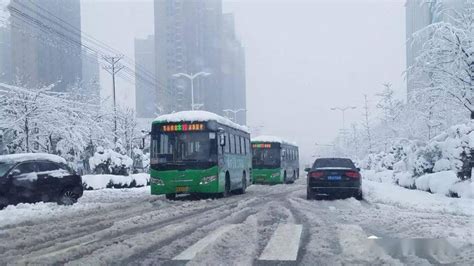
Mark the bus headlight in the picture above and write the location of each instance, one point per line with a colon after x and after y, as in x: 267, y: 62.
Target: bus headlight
x: 208, y: 179
x: 157, y: 181
x: 275, y: 175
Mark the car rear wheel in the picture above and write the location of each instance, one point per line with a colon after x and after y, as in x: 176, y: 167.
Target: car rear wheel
x: 68, y: 197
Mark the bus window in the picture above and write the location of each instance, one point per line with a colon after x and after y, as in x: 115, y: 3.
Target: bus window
x: 242, y: 148
x: 227, y: 145
x: 248, y: 145
x: 235, y: 144
x: 232, y: 143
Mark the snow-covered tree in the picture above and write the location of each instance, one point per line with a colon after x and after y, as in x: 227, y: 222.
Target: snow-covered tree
x: 447, y: 60
x: 4, y: 14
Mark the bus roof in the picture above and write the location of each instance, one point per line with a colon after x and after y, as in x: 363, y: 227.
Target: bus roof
x: 273, y: 139
x: 198, y: 116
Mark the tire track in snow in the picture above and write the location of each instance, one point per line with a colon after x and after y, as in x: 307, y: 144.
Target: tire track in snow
x: 119, y: 231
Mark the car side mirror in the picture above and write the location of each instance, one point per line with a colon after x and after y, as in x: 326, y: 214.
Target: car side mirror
x: 222, y: 140
x: 358, y: 169
x: 14, y: 172
x: 307, y: 169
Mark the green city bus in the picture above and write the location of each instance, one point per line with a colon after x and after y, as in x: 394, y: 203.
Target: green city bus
x: 198, y: 152
x: 274, y: 161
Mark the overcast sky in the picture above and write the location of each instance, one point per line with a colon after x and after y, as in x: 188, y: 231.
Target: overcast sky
x: 303, y: 57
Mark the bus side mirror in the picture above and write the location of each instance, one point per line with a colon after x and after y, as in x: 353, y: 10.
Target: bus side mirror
x: 142, y: 144
x: 222, y: 140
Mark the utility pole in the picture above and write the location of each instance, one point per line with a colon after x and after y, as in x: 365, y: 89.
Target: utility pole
x: 113, y: 68
x: 234, y: 117
x: 343, y: 110
x: 367, y: 122
x: 191, y: 78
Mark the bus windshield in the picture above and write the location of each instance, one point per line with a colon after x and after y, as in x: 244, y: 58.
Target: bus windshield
x: 266, y: 158
x: 184, y: 147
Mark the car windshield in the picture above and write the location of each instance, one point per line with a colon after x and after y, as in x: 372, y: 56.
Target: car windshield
x: 266, y: 157
x: 184, y: 147
x: 333, y: 163
x: 4, y: 167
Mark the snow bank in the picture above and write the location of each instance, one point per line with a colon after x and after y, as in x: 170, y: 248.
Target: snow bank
x: 104, y: 181
x: 438, y: 183
x: 272, y: 139
x: 382, y: 193
x: 31, y: 156
x: 432, y: 166
x: 198, y: 116
x: 383, y: 176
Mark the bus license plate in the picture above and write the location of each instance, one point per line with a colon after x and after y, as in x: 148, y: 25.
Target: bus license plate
x: 182, y: 189
x: 334, y: 177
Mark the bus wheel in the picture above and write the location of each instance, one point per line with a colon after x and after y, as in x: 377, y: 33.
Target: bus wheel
x: 244, y: 184
x: 171, y: 196
x: 226, y: 186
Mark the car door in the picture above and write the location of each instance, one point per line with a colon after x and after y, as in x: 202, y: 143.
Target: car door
x: 49, y: 180
x: 23, y: 183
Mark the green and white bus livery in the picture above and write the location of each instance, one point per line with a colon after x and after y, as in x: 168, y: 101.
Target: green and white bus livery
x: 274, y: 161
x: 197, y: 152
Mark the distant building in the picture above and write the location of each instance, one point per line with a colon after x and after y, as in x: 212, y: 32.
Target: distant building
x: 5, y: 58
x: 188, y: 39
x: 146, y: 94
x: 46, y: 50
x: 233, y: 72
x: 419, y: 14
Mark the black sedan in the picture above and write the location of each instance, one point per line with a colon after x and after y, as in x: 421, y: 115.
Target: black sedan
x: 34, y: 177
x: 334, y: 177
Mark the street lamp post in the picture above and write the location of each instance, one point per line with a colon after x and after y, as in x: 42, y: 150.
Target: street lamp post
x: 191, y: 78
x: 234, y: 112
x: 343, y: 110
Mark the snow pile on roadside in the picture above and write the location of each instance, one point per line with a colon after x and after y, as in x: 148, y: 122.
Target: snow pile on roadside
x: 442, y: 165
x: 438, y: 183
x: 93, y: 182
x: 383, y: 193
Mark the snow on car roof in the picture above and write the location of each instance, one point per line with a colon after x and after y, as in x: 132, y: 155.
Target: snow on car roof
x: 198, y: 116
x: 19, y: 157
x: 272, y: 139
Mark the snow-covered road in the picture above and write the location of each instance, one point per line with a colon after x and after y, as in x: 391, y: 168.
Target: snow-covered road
x: 267, y: 225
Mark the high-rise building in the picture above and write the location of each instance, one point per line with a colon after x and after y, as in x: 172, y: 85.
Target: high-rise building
x: 188, y: 39
x: 146, y: 94
x: 5, y: 58
x: 45, y: 50
x: 233, y: 72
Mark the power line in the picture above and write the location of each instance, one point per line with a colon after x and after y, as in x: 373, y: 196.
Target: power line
x: 141, y: 74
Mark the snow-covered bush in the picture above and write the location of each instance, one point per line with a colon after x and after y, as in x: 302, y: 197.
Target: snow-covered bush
x: 93, y: 182
x: 437, y: 166
x: 141, y: 161
x: 107, y: 161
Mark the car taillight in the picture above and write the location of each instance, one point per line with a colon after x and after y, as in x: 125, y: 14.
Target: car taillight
x: 316, y: 175
x: 353, y: 175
